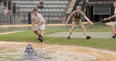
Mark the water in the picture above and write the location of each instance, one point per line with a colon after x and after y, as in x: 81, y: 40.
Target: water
x: 37, y: 54
x: 30, y: 28
x: 14, y: 29
x: 31, y: 55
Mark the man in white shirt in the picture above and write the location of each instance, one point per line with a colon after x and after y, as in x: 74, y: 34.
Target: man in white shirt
x: 41, y: 24
x: 114, y: 25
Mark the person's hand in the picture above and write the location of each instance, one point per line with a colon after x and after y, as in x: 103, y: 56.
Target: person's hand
x: 36, y: 27
x: 109, y: 17
x: 91, y: 23
x: 66, y: 23
x: 32, y: 24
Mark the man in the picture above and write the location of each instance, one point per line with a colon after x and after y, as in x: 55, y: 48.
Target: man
x: 77, y: 15
x: 114, y: 25
x: 41, y: 24
x: 41, y: 5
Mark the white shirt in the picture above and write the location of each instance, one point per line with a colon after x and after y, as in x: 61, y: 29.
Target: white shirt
x: 115, y: 11
x: 39, y: 18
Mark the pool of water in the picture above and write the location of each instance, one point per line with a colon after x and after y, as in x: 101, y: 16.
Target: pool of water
x: 30, y: 28
x: 16, y: 54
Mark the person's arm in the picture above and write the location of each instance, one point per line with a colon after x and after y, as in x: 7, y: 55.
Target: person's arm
x: 112, y: 16
x: 68, y: 19
x: 40, y: 4
x: 88, y: 20
x: 43, y: 4
x: 41, y: 20
x: 40, y: 23
x: 72, y: 14
x: 32, y: 21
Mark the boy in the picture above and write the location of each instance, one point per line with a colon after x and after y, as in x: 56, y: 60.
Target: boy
x: 77, y: 15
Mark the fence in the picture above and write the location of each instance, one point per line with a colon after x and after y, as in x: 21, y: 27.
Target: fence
x: 23, y: 19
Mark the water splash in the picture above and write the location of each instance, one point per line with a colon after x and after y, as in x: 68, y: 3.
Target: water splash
x: 44, y: 54
x: 31, y: 55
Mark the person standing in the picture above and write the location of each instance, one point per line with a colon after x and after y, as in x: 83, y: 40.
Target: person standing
x: 114, y: 25
x: 77, y: 15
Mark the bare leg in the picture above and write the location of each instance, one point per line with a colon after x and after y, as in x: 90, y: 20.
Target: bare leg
x: 71, y: 30
x: 36, y: 32
x: 113, y: 31
x: 42, y: 34
x: 84, y: 30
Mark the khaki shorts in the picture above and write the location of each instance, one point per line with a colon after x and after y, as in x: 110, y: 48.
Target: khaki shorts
x: 114, y: 25
x: 77, y: 23
x: 41, y: 27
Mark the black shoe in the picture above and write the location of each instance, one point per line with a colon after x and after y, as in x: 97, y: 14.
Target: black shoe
x: 39, y: 36
x: 88, y: 37
x: 41, y: 39
x: 113, y: 37
x: 68, y: 38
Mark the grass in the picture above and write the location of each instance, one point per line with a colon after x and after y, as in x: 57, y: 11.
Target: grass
x: 26, y: 36
x: 29, y: 36
x: 109, y: 44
